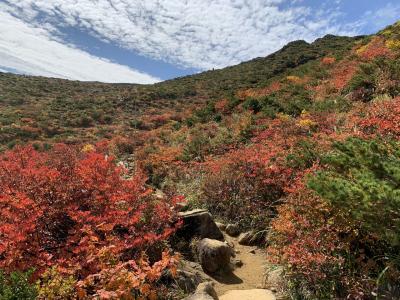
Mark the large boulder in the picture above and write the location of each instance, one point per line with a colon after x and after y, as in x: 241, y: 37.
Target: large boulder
x: 214, y: 255
x: 198, y: 223
x: 205, y: 291
x: 255, y: 294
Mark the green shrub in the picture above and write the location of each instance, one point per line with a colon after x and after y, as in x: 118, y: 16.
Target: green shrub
x: 338, y: 104
x: 304, y: 155
x: 253, y: 105
x: 16, y: 286
x: 363, y: 178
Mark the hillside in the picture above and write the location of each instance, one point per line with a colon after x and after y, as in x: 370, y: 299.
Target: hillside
x: 300, y: 150
x: 63, y: 110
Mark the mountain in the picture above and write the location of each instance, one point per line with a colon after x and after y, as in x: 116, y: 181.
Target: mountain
x: 62, y: 109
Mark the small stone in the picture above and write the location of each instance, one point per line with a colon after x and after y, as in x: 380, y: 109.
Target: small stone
x: 238, y: 263
x: 252, y: 251
x: 232, y: 230
x: 246, y: 238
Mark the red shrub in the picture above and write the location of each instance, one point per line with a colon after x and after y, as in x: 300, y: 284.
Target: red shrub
x: 64, y: 206
x: 343, y: 73
x: 327, y: 61
x: 375, y: 48
x: 383, y: 117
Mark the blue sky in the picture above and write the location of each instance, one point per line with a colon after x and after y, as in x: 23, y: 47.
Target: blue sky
x: 145, y: 41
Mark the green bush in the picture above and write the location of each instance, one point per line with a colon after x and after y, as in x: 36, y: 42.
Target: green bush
x: 363, y: 178
x: 16, y: 286
x: 253, y: 105
x: 304, y: 155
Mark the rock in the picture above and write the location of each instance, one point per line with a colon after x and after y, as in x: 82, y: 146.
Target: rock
x: 252, y: 238
x: 221, y: 226
x: 232, y: 230
x: 198, y: 223
x: 205, y: 291
x: 187, y: 281
x: 255, y: 294
x: 238, y: 263
x: 246, y: 238
x: 274, y: 280
x: 259, y: 238
x: 214, y: 255
x: 252, y: 251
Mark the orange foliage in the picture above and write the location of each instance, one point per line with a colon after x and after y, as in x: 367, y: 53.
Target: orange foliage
x: 375, y: 48
x: 343, y: 72
x: 327, y: 61
x: 222, y: 106
x: 260, y: 92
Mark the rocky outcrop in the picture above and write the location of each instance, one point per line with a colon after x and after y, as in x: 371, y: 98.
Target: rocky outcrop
x: 255, y: 294
x: 214, y: 255
x: 198, y: 223
x: 205, y: 291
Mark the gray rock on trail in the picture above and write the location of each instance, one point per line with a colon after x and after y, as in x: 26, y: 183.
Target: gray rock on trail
x: 198, y: 223
x: 232, y: 230
x: 255, y: 294
x: 274, y: 280
x: 214, y: 255
x: 187, y: 281
x: 246, y: 238
x: 190, y: 275
x: 205, y: 291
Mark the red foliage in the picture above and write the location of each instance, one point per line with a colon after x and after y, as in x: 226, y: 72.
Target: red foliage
x: 260, y: 92
x: 63, y: 206
x: 327, y: 61
x: 375, y: 48
x: 382, y: 117
x: 343, y: 73
x: 222, y: 106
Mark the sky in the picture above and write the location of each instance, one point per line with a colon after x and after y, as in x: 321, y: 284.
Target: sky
x: 147, y: 41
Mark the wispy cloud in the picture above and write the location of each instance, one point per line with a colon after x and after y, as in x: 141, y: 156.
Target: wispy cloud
x: 32, y: 50
x: 387, y: 14
x: 201, y: 34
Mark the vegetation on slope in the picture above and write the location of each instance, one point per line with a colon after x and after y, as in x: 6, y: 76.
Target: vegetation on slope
x: 302, y: 144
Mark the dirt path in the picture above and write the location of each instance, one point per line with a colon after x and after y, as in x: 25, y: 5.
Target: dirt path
x: 249, y: 276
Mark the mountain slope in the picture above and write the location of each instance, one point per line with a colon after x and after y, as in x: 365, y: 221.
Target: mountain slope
x: 54, y: 109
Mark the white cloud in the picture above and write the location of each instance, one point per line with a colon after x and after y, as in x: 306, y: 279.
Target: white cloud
x: 382, y: 17
x: 32, y: 50
x: 202, y: 34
